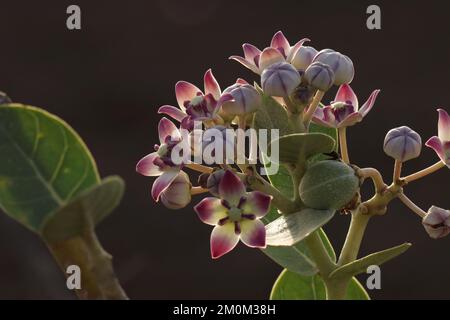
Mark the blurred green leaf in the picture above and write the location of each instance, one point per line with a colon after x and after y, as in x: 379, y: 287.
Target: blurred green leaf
x: 46, y: 171
x: 378, y: 258
x: 291, y: 228
x: 293, y: 286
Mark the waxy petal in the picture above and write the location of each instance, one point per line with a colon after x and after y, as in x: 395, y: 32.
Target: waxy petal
x: 346, y: 94
x: 166, y: 128
x: 280, y: 43
x: 350, y: 120
x: 269, y: 56
x: 295, y: 49
x: 245, y: 63
x: 436, y: 144
x: 211, y: 85
x: 444, y: 125
x: 231, y: 188
x: 173, y: 112
x: 253, y: 233
x: 163, y: 182
x: 367, y: 106
x: 185, y: 91
x: 256, y: 203
x: 223, y: 240
x: 210, y: 210
x: 324, y: 116
x: 250, y: 52
x: 146, y: 167
x: 241, y: 81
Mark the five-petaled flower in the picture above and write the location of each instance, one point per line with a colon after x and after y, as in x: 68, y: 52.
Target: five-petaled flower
x: 235, y: 216
x: 280, y: 50
x: 344, y: 111
x: 194, y: 105
x: 441, y: 143
x: 159, y: 163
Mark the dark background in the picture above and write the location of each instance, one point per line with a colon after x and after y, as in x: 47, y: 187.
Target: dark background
x: 108, y: 80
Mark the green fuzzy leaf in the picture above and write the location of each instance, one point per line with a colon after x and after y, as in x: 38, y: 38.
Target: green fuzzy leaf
x: 289, y: 229
x: 292, y: 286
x: 296, y: 148
x: 331, y: 132
x: 46, y: 171
x: 378, y: 258
x: 96, y: 202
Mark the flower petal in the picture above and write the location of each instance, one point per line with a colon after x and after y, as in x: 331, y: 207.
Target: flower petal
x: 173, y: 112
x: 245, y: 63
x: 324, y: 116
x: 293, y: 51
x: 280, y: 43
x: 211, y: 85
x: 346, y: 93
x: 224, y: 98
x: 367, y: 106
x: 223, y: 240
x: 146, y: 167
x: 253, y: 233
x: 251, y: 52
x: 444, y: 125
x: 210, y: 210
x: 350, y: 120
x: 256, y: 203
x: 163, y: 182
x: 269, y: 56
x: 166, y: 128
x: 436, y: 144
x: 185, y: 91
x: 231, y: 188
x: 241, y: 81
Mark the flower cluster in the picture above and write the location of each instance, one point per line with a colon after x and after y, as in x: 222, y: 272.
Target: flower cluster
x: 294, y: 78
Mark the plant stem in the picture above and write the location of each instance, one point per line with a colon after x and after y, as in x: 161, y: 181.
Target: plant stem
x: 424, y: 172
x: 98, y: 280
x: 397, y: 171
x: 319, y: 254
x: 411, y: 205
x: 343, y: 144
x: 312, y: 107
x: 376, y: 177
x: 198, y: 190
x: 354, y: 237
x: 199, y: 167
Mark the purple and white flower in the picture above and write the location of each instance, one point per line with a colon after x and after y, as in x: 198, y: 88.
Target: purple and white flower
x: 344, y: 111
x: 437, y: 222
x: 441, y: 143
x: 178, y: 194
x: 235, y: 216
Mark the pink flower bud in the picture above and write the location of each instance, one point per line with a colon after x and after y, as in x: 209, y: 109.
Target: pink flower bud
x: 319, y: 76
x: 280, y: 79
x: 341, y: 65
x: 303, y: 57
x: 437, y: 222
x: 402, y: 144
x: 245, y: 99
x: 178, y: 193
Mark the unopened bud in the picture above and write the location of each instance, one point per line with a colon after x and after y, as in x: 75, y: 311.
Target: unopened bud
x: 280, y: 79
x: 319, y: 76
x: 245, y: 99
x: 402, y: 144
x: 178, y: 194
x: 437, y: 222
x: 213, y: 182
x: 303, y: 57
x: 341, y: 65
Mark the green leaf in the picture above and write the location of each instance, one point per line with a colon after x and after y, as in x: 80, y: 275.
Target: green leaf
x: 292, y: 286
x: 361, y: 265
x: 331, y: 132
x: 96, y: 202
x: 271, y: 115
x: 44, y: 166
x: 296, y: 148
x: 289, y: 229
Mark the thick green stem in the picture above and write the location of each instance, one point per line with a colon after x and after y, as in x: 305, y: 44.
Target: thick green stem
x: 354, y: 237
x: 320, y: 255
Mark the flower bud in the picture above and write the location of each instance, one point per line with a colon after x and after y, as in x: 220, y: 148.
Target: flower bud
x: 245, y: 100
x: 437, y: 222
x: 328, y: 184
x: 303, y: 57
x: 178, y: 194
x: 4, y: 99
x: 280, y: 79
x: 213, y: 182
x: 341, y: 65
x: 319, y: 76
x: 402, y: 144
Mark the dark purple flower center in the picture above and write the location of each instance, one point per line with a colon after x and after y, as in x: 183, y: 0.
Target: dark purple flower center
x: 342, y: 110
x: 201, y: 107
x: 165, y: 152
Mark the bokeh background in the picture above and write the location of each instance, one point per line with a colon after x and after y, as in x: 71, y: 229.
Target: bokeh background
x: 108, y: 80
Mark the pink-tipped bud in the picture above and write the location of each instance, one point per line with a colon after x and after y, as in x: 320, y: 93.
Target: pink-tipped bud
x: 437, y: 222
x: 245, y: 100
x: 402, y: 144
x: 341, y: 65
x: 178, y: 194
x: 319, y: 76
x: 280, y: 79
